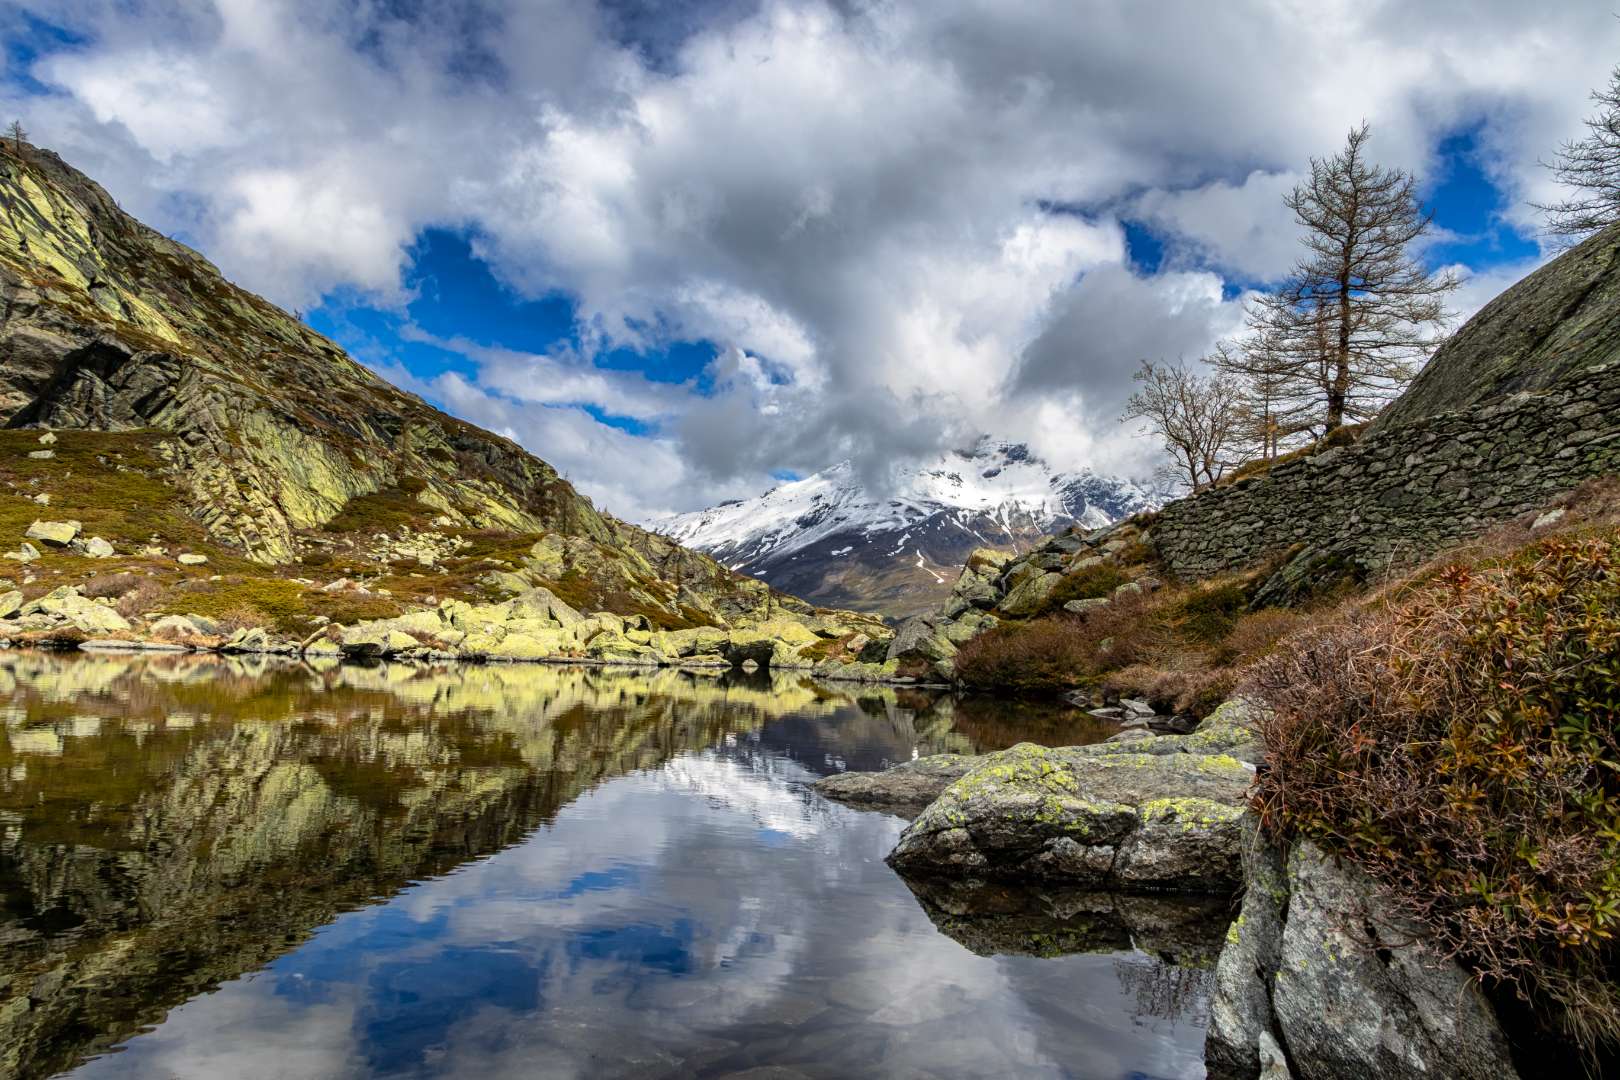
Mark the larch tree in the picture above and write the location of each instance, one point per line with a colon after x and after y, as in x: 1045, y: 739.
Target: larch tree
x: 1194, y: 415
x: 16, y: 134
x: 1273, y: 398
x: 1359, y: 313
x: 1591, y: 166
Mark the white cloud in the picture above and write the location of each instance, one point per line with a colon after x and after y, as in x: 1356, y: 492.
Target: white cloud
x: 849, y: 194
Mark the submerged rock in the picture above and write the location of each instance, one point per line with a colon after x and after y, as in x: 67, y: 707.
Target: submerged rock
x: 997, y: 919
x: 905, y: 789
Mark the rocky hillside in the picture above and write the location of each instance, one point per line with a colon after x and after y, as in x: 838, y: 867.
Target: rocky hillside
x: 827, y: 537
x: 178, y: 428
x: 1562, y: 320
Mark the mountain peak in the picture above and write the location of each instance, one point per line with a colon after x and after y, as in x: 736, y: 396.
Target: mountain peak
x: 830, y: 538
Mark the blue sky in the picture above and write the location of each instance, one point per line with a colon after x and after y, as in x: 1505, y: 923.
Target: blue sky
x: 684, y: 250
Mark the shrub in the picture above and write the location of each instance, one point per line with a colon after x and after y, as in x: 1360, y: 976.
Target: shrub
x: 1040, y: 656
x: 1087, y: 583
x: 109, y: 585
x: 1460, y: 745
x: 1208, y: 613
x: 1196, y: 691
x: 1256, y: 634
x: 142, y: 596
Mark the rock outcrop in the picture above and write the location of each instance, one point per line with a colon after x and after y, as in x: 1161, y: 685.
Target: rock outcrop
x: 1319, y: 971
x: 1560, y: 321
x: 1156, y: 814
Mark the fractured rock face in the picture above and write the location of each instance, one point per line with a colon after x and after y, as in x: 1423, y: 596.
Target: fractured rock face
x: 1317, y: 962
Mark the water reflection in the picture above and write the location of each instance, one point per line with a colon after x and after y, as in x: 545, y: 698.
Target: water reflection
x: 585, y: 873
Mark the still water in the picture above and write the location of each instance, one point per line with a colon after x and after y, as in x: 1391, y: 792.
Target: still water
x: 237, y: 868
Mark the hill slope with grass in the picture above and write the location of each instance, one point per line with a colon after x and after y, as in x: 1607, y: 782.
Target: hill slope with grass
x: 158, y: 410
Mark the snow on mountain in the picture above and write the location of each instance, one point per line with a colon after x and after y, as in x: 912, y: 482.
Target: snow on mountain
x: 826, y: 538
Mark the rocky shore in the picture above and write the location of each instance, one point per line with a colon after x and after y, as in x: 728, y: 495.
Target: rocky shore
x: 1315, y: 979
x: 535, y: 625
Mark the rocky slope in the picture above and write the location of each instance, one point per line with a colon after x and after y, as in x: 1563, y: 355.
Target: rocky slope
x: 1562, y: 320
x: 186, y: 419
x: 829, y: 538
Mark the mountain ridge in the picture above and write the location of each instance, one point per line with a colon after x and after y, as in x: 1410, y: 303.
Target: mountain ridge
x: 185, y: 416
x: 826, y: 537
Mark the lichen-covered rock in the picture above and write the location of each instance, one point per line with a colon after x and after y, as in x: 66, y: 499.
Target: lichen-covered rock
x: 530, y: 645
x: 67, y: 606
x: 904, y: 789
x: 1317, y: 962
x: 1035, y: 812
x: 1240, y: 1004
x: 370, y: 641
x: 191, y: 558
x: 97, y: 548
x: 11, y: 602
x: 55, y: 533
x: 1029, y: 595
x: 1358, y: 994
x: 1228, y: 731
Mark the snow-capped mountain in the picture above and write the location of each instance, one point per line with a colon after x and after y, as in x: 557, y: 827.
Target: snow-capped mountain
x: 827, y: 539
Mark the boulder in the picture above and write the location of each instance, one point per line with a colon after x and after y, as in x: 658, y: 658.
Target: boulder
x: 42, y: 455
x: 543, y: 603
x: 11, y: 602
x: 921, y: 648
x: 1240, y: 1003
x: 1357, y: 992
x: 191, y: 558
x: 97, y: 548
x: 55, y: 533
x: 1026, y: 598
x: 26, y: 553
x: 67, y: 605
x: 369, y: 640
x: 533, y: 645
x: 1080, y: 607
x: 904, y: 789
x: 1318, y: 962
x: 1121, y: 820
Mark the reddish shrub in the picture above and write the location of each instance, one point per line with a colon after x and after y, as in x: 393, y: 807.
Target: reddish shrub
x: 1460, y: 744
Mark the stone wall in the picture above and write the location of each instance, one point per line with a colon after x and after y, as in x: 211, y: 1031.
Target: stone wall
x: 1402, y: 493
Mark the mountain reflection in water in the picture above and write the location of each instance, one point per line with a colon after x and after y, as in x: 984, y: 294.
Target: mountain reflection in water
x: 251, y: 868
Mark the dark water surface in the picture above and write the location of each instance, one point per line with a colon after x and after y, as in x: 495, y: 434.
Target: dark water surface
x: 241, y: 869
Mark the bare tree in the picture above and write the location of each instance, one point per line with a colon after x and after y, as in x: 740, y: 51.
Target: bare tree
x: 1592, y: 167
x: 1195, y: 415
x: 1358, y: 314
x: 17, y: 135
x: 1274, y: 399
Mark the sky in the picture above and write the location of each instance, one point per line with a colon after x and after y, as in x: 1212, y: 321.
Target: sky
x: 685, y: 250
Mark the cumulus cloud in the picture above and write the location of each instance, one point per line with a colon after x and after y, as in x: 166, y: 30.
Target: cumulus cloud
x: 854, y: 198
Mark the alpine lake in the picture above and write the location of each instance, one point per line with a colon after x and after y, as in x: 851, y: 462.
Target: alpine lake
x: 243, y: 868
